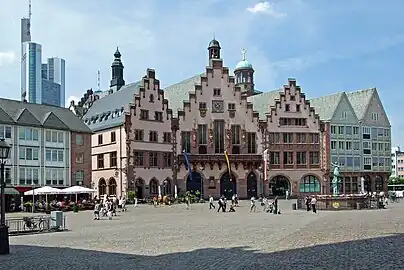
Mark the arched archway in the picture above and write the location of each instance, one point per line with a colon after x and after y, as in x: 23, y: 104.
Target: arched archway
x: 195, y: 184
x: 379, y: 183
x: 154, y: 187
x: 309, y: 184
x: 111, y: 187
x: 102, y: 187
x: 228, y: 186
x: 167, y: 186
x: 278, y: 185
x: 252, y: 185
x: 139, y: 187
x: 367, y: 183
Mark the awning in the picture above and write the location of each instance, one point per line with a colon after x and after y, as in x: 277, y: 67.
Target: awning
x: 11, y: 191
x: 22, y: 189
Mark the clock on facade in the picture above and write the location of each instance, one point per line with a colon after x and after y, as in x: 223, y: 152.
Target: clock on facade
x: 217, y: 106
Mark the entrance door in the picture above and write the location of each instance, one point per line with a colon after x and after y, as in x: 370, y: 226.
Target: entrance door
x: 279, y: 184
x: 252, y: 185
x: 139, y: 188
x: 194, y: 184
x: 227, y: 187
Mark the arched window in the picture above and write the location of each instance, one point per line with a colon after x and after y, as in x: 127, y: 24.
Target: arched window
x: 309, y: 183
x: 102, y: 187
x: 112, y: 186
x: 154, y: 190
x: 167, y: 186
x: 379, y: 183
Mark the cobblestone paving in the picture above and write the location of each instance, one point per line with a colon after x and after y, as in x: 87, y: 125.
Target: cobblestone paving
x: 174, y: 238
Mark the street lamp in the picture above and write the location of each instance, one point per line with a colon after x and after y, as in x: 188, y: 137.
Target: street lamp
x: 4, y: 242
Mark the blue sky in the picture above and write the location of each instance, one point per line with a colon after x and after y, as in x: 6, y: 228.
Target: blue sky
x: 328, y: 46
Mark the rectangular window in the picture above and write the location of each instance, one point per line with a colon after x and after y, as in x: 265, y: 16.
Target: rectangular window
x: 373, y: 133
x: 235, y: 134
x: 80, y: 158
x: 287, y: 137
x: 202, y: 105
x: 366, y: 133
x: 48, y: 155
x: 348, y: 145
x: 153, y: 159
x: 202, y: 135
x: 287, y: 108
x: 344, y: 115
x: 219, y: 136
x: 7, y: 176
x: 60, y: 155
x: 138, y: 156
x: 297, y: 107
x: 158, y: 116
x: 54, y: 155
x: 139, y: 135
x: 113, y: 136
x: 355, y: 130
x: 21, y: 133
x: 274, y: 158
x: 333, y: 129
x: 167, y: 137
x: 79, y: 139
x: 356, y: 145
x: 301, y: 138
x: 314, y: 138
x: 348, y: 130
x: 153, y: 137
x: 60, y: 137
x: 341, y: 145
x: 301, y: 157
x: 333, y: 145
x: 374, y: 146
x: 216, y: 92
x: 314, y: 158
x: 144, y: 115
x: 231, y: 106
x: 48, y: 136
x: 287, y: 158
x: 167, y: 160
x: 186, y: 141
x: 341, y: 130
x: 349, y: 161
x: 79, y: 175
x: 100, y: 161
x: 99, y: 139
x: 54, y: 136
x: 341, y: 161
x: 251, y: 143
x: 113, y: 159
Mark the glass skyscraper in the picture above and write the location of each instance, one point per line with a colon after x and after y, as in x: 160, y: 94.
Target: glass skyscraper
x: 54, y: 71
x: 31, y: 72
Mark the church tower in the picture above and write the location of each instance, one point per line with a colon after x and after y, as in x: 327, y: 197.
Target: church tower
x: 117, y: 72
x: 244, y: 74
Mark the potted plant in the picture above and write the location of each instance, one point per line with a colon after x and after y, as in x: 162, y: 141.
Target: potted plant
x: 131, y: 196
x: 75, y: 207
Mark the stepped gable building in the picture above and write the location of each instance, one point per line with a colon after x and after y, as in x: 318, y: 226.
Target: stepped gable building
x: 131, y: 144
x: 50, y: 146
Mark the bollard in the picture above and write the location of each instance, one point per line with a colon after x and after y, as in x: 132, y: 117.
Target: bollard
x: 294, y: 206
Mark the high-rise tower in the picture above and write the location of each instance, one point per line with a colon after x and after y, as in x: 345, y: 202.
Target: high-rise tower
x: 25, y: 40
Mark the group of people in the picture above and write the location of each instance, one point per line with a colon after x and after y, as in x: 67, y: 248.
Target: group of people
x: 268, y: 205
x: 107, y: 207
x: 311, y: 203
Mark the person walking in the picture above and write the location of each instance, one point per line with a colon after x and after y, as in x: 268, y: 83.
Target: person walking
x: 287, y: 194
x: 97, y: 208
x: 253, y: 206
x: 313, y: 204
x: 307, y: 199
x: 276, y: 209
x: 211, y: 205
x: 220, y: 202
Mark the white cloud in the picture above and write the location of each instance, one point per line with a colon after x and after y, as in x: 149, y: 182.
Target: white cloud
x: 266, y: 8
x: 70, y: 99
x: 6, y: 58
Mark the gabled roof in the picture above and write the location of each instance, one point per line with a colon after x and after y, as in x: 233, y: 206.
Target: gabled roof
x: 5, y: 118
x: 179, y: 92
x: 30, y: 114
x: 326, y: 106
x: 51, y: 120
x: 263, y: 102
x: 360, y: 101
x: 109, y: 110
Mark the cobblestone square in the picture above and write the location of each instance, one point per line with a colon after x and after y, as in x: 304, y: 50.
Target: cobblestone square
x: 174, y: 238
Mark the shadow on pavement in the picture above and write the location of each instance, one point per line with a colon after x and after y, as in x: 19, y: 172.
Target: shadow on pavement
x: 375, y: 253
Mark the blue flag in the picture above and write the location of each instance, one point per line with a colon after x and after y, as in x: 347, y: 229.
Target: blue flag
x: 188, y: 164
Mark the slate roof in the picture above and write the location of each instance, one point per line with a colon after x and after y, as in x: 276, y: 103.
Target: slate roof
x: 325, y: 106
x: 263, y: 102
x: 40, y: 115
x: 360, y: 101
x: 109, y: 110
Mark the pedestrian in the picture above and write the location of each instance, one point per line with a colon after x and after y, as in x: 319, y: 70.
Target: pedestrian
x: 276, y: 210
x: 313, y: 204
x: 97, y: 208
x: 109, y: 209
x: 307, y: 199
x: 253, y: 207
x: 233, y: 199
x: 287, y: 194
x: 187, y: 202
x: 124, y: 204
x: 120, y: 204
x: 211, y: 205
x: 220, y: 202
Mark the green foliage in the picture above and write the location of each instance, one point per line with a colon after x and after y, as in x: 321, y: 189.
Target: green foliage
x: 75, y: 207
x: 396, y: 181
x: 131, y: 195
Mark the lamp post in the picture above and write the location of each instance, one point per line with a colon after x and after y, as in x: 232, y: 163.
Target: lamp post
x: 4, y: 241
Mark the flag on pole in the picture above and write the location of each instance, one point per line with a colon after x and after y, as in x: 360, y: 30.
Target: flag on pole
x: 226, y: 155
x: 188, y: 164
x: 265, y: 164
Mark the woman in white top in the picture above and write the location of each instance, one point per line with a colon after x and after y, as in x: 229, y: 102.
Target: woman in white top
x: 313, y: 204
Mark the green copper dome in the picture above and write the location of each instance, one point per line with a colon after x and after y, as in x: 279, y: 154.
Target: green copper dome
x: 243, y: 64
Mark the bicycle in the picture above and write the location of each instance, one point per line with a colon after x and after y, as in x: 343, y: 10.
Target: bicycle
x: 31, y: 224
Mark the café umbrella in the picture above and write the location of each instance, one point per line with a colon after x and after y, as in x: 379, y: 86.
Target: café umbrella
x: 77, y: 190
x: 46, y: 190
